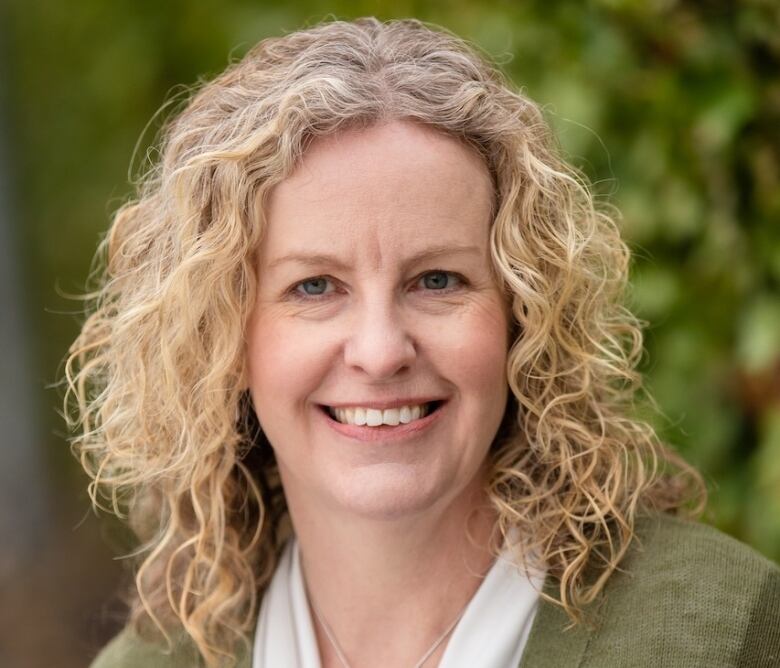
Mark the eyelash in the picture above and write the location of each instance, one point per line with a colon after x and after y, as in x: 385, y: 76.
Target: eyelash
x: 301, y: 296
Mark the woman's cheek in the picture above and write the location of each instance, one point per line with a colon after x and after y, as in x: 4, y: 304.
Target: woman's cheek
x: 475, y: 341
x: 292, y: 361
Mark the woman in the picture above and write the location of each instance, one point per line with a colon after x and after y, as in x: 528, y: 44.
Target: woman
x: 359, y: 378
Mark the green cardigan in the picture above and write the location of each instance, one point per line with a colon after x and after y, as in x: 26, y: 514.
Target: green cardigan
x: 687, y: 595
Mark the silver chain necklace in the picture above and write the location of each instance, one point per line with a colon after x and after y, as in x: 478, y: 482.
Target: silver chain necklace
x: 343, y: 659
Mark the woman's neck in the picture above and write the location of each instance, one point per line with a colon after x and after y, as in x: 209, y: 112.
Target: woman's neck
x: 388, y: 589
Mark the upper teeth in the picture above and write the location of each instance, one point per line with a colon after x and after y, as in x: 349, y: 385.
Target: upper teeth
x: 372, y: 417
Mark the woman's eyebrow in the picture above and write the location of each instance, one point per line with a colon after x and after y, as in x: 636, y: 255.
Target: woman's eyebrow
x: 319, y: 259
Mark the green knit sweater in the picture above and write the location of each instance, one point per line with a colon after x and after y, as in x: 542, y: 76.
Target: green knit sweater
x: 687, y: 595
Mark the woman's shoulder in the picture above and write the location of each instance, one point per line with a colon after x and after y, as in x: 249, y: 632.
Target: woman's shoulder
x: 129, y: 650
x: 667, y: 548
x: 689, y: 591
x: 685, y: 595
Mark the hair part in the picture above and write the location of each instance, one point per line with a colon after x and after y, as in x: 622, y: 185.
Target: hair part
x: 156, y: 377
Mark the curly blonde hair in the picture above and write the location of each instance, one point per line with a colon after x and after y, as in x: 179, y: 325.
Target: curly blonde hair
x: 156, y: 376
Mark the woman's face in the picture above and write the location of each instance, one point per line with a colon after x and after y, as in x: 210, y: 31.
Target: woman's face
x: 375, y: 299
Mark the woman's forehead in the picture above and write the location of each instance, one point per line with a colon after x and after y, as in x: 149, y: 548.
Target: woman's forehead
x: 383, y: 181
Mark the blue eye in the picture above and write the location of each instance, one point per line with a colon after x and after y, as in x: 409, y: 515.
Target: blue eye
x: 312, y: 287
x: 439, y: 280
x: 319, y: 288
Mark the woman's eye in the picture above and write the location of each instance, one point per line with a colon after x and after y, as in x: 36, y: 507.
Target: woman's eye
x: 320, y: 287
x: 312, y: 287
x: 440, y: 280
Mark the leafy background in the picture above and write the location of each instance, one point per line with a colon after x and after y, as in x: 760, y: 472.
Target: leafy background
x: 671, y: 107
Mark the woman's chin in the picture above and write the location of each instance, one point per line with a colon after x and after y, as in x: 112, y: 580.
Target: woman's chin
x: 388, y: 492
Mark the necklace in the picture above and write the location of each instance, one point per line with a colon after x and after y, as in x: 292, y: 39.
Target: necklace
x: 343, y: 659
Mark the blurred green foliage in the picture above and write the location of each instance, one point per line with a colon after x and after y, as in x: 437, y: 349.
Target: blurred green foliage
x: 672, y: 108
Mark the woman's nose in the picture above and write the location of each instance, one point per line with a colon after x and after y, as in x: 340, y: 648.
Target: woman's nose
x: 379, y: 344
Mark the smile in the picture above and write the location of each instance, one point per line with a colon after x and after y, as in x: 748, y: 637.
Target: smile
x: 428, y: 414
x: 372, y: 417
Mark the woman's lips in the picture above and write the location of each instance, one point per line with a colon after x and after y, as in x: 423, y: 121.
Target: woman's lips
x: 383, y: 432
